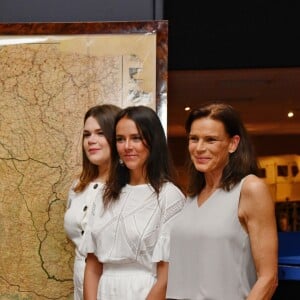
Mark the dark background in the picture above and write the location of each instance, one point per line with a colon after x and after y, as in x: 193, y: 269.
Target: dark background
x: 218, y: 35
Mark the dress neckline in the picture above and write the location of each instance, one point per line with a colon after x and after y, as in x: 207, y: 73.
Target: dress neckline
x: 209, y: 196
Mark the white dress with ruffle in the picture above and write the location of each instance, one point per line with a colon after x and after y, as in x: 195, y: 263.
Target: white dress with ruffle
x: 130, y: 237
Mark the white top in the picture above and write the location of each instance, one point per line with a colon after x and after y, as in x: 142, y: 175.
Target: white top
x: 135, y: 228
x: 210, y: 256
x: 78, y: 214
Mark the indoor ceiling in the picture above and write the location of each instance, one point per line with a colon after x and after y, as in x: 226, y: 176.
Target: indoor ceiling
x: 245, y: 54
x: 263, y: 96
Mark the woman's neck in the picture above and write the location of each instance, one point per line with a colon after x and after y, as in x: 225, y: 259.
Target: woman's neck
x: 137, y: 178
x: 102, y: 174
x: 212, y: 181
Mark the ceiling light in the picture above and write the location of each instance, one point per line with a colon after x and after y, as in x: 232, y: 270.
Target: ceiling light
x: 187, y: 108
x: 290, y: 114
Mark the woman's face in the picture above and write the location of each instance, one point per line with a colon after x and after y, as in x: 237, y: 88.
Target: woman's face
x: 95, y: 144
x: 131, y: 147
x: 210, y: 145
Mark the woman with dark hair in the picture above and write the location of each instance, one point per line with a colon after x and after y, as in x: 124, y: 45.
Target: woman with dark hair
x: 87, y: 189
x: 128, y: 247
x: 224, y: 243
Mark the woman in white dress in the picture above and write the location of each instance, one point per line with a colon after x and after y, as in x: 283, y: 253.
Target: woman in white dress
x: 224, y: 243
x: 87, y: 189
x: 128, y: 246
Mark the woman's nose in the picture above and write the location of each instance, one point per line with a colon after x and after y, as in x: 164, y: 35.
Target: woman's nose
x: 200, y: 146
x: 127, y: 144
x: 92, y: 139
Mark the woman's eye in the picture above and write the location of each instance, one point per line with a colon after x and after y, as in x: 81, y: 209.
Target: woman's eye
x: 119, y: 139
x: 137, y: 138
x: 211, y: 140
x: 193, y: 139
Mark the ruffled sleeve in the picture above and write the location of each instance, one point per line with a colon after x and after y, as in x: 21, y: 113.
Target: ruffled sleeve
x: 172, y: 201
x: 87, y: 244
x: 162, y: 249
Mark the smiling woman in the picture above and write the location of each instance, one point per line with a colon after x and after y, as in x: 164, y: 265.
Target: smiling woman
x: 225, y: 239
x: 128, y: 245
x: 96, y: 146
x: 87, y: 189
x: 132, y: 149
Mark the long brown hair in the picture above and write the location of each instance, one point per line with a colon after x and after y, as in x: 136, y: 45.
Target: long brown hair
x: 241, y: 163
x: 159, y: 165
x: 105, y: 115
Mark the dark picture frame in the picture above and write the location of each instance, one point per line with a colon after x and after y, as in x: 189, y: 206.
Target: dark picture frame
x: 159, y: 28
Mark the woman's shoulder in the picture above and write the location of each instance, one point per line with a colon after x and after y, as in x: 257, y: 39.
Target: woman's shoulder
x: 171, y: 187
x: 253, y: 184
x: 75, y: 183
x: 255, y: 193
x: 172, y: 193
x: 172, y: 199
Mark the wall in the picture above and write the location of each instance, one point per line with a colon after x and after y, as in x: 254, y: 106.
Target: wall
x: 79, y: 10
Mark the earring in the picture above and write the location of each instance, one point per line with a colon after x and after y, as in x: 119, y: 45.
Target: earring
x: 121, y: 162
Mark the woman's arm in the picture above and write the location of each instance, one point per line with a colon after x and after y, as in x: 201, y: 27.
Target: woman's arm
x: 256, y: 212
x: 92, y: 274
x: 159, y: 289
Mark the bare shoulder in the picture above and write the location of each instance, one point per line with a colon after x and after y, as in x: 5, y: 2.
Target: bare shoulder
x: 255, y: 196
x: 253, y: 185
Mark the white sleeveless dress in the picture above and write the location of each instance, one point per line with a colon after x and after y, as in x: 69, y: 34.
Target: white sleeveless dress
x: 210, y: 254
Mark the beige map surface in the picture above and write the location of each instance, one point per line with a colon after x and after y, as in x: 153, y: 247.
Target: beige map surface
x: 46, y: 85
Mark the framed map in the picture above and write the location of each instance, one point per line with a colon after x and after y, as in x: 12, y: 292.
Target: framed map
x: 51, y: 73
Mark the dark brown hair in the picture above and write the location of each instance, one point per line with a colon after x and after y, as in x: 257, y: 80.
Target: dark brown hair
x: 105, y: 115
x: 159, y: 165
x: 241, y: 163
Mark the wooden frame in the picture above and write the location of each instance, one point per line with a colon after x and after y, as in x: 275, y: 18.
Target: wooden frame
x: 159, y: 28
x: 46, y: 86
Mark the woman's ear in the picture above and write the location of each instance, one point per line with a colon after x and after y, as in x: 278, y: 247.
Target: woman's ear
x: 234, y: 143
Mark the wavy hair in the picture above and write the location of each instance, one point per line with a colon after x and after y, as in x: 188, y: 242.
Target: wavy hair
x: 159, y: 165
